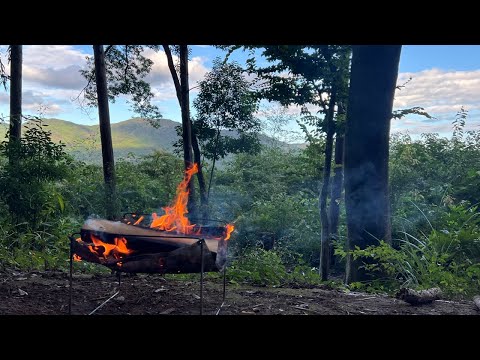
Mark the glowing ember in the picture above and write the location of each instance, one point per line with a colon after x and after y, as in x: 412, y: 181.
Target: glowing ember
x: 228, y: 230
x: 174, y: 218
x: 76, y: 257
x: 117, y: 250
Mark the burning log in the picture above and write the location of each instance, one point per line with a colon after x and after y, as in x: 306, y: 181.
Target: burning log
x: 133, y: 249
x: 421, y: 297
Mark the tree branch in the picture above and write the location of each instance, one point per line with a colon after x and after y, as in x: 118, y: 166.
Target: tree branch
x: 83, y: 90
x: 173, y: 72
x: 125, y: 74
x: 109, y: 47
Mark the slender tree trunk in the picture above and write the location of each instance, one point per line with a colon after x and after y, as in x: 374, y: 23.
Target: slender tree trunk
x: 200, y: 177
x: 186, y: 124
x: 173, y: 72
x: 195, y: 146
x: 105, y: 132
x: 325, y: 237
x: 372, y: 87
x: 336, y: 194
x: 213, y: 162
x: 16, y: 58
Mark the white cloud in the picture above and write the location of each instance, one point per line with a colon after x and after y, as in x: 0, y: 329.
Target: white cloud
x: 160, y: 78
x: 64, y: 78
x: 442, y: 94
x: 51, y: 75
x: 52, y: 56
x: 439, y: 91
x: 55, y: 66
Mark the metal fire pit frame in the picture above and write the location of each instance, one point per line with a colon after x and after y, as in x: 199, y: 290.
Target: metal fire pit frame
x: 201, y: 242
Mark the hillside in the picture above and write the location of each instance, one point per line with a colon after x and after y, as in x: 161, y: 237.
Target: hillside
x: 131, y: 136
x: 135, y: 136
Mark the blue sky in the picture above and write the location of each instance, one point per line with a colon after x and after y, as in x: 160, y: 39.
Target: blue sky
x: 444, y: 78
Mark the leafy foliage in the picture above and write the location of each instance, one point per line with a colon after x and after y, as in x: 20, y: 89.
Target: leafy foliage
x: 225, y: 102
x: 267, y: 268
x: 449, y: 257
x: 25, y: 181
x: 126, y: 67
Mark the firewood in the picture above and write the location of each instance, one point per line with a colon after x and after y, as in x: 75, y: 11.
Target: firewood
x: 105, y: 228
x: 183, y: 260
x: 476, y: 300
x: 420, y: 297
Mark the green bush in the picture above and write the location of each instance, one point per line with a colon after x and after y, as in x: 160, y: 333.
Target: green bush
x: 448, y: 258
x: 260, y: 267
x: 33, y: 164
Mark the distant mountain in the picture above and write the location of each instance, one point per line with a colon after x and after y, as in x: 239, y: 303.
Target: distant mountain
x: 135, y: 136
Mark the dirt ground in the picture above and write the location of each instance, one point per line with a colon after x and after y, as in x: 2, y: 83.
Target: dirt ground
x: 47, y: 293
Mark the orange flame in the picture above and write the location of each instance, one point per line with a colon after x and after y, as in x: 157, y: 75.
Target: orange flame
x: 174, y: 218
x: 228, y: 230
x: 140, y: 219
x: 117, y: 250
x: 76, y: 257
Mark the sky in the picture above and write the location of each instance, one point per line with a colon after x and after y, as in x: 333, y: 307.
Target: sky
x: 443, y: 79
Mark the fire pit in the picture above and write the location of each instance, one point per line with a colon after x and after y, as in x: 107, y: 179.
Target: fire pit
x: 141, y: 243
x: 133, y: 249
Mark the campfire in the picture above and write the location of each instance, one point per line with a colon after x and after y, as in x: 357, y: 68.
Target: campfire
x: 152, y: 243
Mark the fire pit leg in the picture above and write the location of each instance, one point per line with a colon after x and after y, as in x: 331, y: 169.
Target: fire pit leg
x: 119, y: 278
x: 202, y: 242
x: 224, y: 281
x: 70, y: 277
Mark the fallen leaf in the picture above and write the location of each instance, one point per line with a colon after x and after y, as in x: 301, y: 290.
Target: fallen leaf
x: 160, y: 289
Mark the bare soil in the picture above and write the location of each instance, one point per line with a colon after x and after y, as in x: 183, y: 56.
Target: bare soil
x: 47, y: 293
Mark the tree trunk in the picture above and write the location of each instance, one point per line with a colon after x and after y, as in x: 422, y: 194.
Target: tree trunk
x: 105, y: 132
x: 200, y: 177
x: 325, y: 237
x: 336, y: 194
x: 213, y: 162
x: 372, y: 87
x: 173, y: 72
x: 195, y: 146
x: 16, y: 58
x: 186, y: 124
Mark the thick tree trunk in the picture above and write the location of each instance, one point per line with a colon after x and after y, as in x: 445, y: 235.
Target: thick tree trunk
x: 195, y: 146
x: 186, y: 124
x: 325, y: 237
x: 372, y: 87
x: 16, y: 58
x: 336, y: 194
x: 105, y: 132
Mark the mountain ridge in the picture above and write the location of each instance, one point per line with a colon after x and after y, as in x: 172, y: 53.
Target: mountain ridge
x: 135, y: 135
